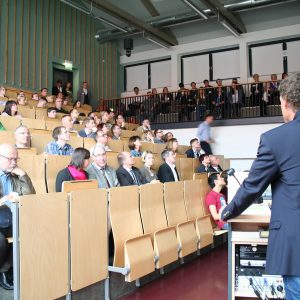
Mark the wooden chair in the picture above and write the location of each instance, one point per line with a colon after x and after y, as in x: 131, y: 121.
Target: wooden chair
x: 112, y: 160
x: 54, y: 163
x: 132, y: 248
x: 126, y: 134
x: 75, y: 185
x: 176, y: 216
x: 131, y: 126
x: 182, y: 149
x: 89, y: 143
x: 10, y: 123
x: 88, y: 236
x: 196, y: 164
x: 78, y: 127
x: 34, y: 166
x: 34, y: 123
x: 50, y: 125
x: 125, y: 145
x: 155, y: 223
x: 158, y: 148
x: 199, y: 176
x: 40, y: 141
x: 147, y: 147
x: 138, y: 163
x: 27, y: 151
x: 193, y: 198
x: 186, y: 168
x: 158, y: 161
x: 44, y: 261
x: 76, y: 141
x: 7, y: 137
x: 115, y: 146
x: 40, y: 113
x: 26, y: 112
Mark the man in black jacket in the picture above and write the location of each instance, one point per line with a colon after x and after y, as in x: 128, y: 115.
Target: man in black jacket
x: 167, y: 172
x: 196, y: 150
x: 278, y: 164
x: 127, y: 174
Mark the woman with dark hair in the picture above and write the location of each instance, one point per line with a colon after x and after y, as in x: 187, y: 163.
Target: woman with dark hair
x: 75, y: 170
x: 11, y: 109
x: 135, y: 146
x: 77, y: 105
x: 69, y: 91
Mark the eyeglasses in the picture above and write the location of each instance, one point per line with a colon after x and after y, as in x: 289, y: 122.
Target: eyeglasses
x: 10, y: 159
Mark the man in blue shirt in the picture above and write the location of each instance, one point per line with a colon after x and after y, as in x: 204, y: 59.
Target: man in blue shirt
x: 59, y: 146
x: 203, y: 134
x: 12, y: 179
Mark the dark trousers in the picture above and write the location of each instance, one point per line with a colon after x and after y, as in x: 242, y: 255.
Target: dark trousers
x: 5, y: 250
x: 206, y: 147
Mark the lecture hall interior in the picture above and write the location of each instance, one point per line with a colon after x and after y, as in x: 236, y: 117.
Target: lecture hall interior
x: 126, y: 127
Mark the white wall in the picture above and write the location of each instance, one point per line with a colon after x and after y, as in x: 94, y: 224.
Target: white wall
x: 230, y: 141
x: 213, y: 44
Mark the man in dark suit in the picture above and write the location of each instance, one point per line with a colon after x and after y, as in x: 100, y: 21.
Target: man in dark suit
x: 214, y: 164
x: 58, y: 88
x: 84, y: 94
x: 205, y: 164
x: 167, y: 172
x: 127, y: 174
x: 196, y: 150
x: 278, y: 164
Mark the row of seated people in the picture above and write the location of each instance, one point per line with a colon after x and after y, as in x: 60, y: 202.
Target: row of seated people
x: 14, y: 179
x: 222, y: 101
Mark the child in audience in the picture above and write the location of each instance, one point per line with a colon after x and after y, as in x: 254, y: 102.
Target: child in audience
x: 215, y: 200
x: 11, y: 109
x: 135, y: 146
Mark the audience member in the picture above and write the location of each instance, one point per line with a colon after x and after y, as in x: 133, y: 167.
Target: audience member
x: 21, y: 99
x: 58, y: 88
x: 89, y: 127
x: 99, y: 170
x: 69, y: 91
x: 10, y: 109
x: 3, y: 92
x: 111, y: 116
x: 148, y: 137
x: 163, y: 106
x: 167, y: 172
x: 75, y: 170
x: 147, y: 172
x: 104, y: 116
x: 203, y: 134
x: 84, y: 94
x: 214, y: 162
x: 58, y: 106
x: 172, y: 145
x: 121, y: 122
x: 145, y: 126
x: 44, y: 92
x: 205, y: 164
x: 35, y: 97
x: 272, y: 91
x: 127, y: 174
x: 196, y: 150
x: 103, y: 127
x: 134, y: 145
x: 168, y: 136
x: 12, y: 179
x: 42, y: 103
x: 22, y: 137
x: 77, y: 104
x: 66, y: 121
x: 158, y: 134
x: 51, y: 113
x: 219, y: 101
x: 74, y: 116
x: 116, y: 132
x: 136, y: 91
x: 183, y: 100
x: 216, y: 201
x: 101, y: 138
x: 257, y: 95
x: 59, y: 146
x: 207, y: 93
x: 236, y: 98
x: 284, y: 75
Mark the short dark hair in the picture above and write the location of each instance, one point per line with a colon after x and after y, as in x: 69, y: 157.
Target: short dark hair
x: 78, y: 157
x: 155, y: 131
x: 181, y: 85
x: 136, y: 87
x: 49, y: 109
x: 211, y: 179
x: 64, y: 116
x: 193, y: 140
x: 56, y: 132
x: 44, y: 98
x: 59, y: 81
x: 101, y: 125
x: 205, y: 80
x: 87, y: 120
x: 132, y: 140
x: 44, y: 89
x: 8, y: 106
x: 208, y: 116
x: 113, y: 127
x: 202, y: 156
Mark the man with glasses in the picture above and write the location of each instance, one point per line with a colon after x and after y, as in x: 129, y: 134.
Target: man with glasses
x: 158, y: 135
x: 12, y: 179
x: 101, y: 139
x: 59, y: 146
x: 99, y: 170
x: 58, y: 106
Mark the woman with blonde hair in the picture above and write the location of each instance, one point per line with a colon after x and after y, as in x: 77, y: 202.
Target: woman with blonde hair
x: 147, y: 172
x: 172, y: 145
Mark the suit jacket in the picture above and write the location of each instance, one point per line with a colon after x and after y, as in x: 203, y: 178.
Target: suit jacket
x: 280, y: 167
x: 95, y: 173
x: 165, y: 173
x: 81, y: 96
x: 146, y: 174
x: 55, y: 91
x: 83, y: 134
x: 126, y: 179
x: 203, y: 169
x: 212, y: 170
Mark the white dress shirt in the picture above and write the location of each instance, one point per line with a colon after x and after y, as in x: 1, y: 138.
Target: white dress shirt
x: 173, y: 171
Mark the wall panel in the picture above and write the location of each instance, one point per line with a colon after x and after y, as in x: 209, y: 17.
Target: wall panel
x: 35, y: 34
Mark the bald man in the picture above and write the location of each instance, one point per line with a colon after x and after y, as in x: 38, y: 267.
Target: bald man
x: 12, y: 179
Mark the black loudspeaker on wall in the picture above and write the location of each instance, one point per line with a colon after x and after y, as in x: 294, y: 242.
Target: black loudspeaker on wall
x: 128, y: 46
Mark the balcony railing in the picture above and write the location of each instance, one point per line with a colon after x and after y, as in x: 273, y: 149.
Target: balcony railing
x: 250, y: 100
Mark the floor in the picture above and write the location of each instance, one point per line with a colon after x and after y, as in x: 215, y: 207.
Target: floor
x: 204, y: 278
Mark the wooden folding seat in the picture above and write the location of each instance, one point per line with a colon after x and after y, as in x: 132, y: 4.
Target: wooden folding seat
x: 75, y: 185
x: 50, y: 125
x: 178, y: 155
x: 26, y: 111
x: 87, y: 107
x: 200, y: 176
x: 133, y: 250
x: 10, y: 123
x: 159, y: 148
x: 40, y: 113
x: 44, y: 259
x: 40, y: 141
x: 34, y: 166
x: 131, y: 126
x: 7, y: 137
x: 182, y: 149
x: 125, y: 144
x: 54, y: 163
x: 158, y: 161
x: 155, y: 223
x: 186, y: 168
x: 89, y: 143
x: 147, y: 147
x: 26, y: 151
x: 115, y: 146
x: 112, y: 160
x: 138, y: 163
x: 196, y: 164
x: 176, y: 216
x: 78, y: 127
x: 34, y: 123
x: 126, y: 134
x: 193, y: 198
x: 76, y: 141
